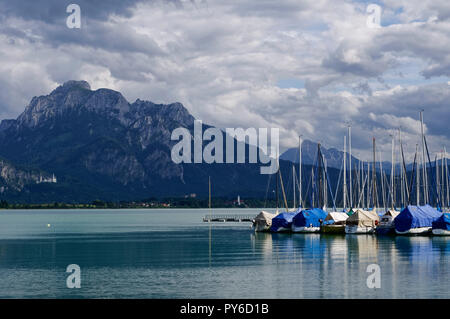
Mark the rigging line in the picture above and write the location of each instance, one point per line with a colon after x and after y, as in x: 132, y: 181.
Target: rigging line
x: 432, y: 177
x: 362, y: 193
x: 329, y: 188
x: 267, y: 189
x: 412, y: 179
x: 339, y: 180
x: 404, y: 170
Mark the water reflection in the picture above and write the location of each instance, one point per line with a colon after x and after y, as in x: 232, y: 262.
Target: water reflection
x: 412, y: 267
x: 155, y: 256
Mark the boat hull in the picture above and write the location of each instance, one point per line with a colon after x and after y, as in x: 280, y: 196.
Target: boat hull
x: 441, y: 232
x: 333, y: 229
x: 262, y: 228
x: 385, y: 230
x: 281, y: 230
x: 359, y: 230
x: 415, y: 231
x: 296, y: 229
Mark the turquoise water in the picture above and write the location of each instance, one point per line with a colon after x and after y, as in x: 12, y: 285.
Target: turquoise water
x: 173, y: 254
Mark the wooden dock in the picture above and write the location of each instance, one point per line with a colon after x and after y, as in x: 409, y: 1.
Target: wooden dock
x: 228, y: 218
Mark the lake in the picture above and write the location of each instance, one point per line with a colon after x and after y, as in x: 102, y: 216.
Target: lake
x: 172, y: 253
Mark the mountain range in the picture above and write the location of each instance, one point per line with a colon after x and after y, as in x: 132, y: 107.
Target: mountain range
x: 100, y: 146
x: 77, y: 145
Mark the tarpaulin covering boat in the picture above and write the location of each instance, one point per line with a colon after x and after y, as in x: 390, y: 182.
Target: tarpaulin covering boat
x: 336, y: 218
x: 282, y: 222
x: 351, y: 211
x: 362, y: 222
x: 263, y: 221
x: 335, y: 223
x: 309, y: 220
x: 416, y: 219
x: 441, y: 226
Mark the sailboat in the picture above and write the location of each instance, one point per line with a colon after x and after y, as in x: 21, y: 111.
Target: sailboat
x: 362, y: 221
x: 441, y: 227
x: 283, y: 221
x: 310, y: 220
x: 334, y: 223
x: 416, y: 220
x: 263, y: 221
x: 386, y: 225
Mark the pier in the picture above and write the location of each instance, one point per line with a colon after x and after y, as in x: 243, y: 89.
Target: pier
x: 228, y: 218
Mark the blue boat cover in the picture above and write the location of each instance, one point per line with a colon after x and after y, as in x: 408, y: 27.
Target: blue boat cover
x: 309, y: 217
x: 416, y: 217
x: 442, y: 222
x: 282, y: 220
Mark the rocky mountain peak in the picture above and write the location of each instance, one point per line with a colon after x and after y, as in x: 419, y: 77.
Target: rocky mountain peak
x: 73, y: 84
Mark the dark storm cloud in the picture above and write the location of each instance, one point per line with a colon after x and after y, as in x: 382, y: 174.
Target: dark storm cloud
x: 223, y: 60
x: 54, y: 11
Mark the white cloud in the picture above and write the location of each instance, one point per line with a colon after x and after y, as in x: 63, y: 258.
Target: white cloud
x: 223, y: 61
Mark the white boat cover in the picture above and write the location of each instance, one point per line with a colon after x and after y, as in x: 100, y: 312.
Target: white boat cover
x: 392, y: 213
x: 363, y: 218
x: 264, y: 218
x: 337, y: 217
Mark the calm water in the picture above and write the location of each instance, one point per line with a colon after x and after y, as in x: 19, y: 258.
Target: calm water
x: 173, y: 254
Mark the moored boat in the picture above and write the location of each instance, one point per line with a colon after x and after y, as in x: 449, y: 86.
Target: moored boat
x: 441, y: 227
x: 416, y: 220
x: 386, y: 225
x: 282, y: 222
x: 362, y: 222
x: 308, y: 220
x: 334, y: 223
x: 263, y: 221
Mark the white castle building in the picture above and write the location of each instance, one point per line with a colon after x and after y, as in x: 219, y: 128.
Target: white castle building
x: 47, y: 180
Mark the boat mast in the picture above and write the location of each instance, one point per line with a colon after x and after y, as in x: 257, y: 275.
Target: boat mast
x: 424, y: 171
x: 437, y: 173
x: 442, y: 187
x: 282, y: 186
x: 363, y: 170
x: 392, y: 174
x: 325, y: 180
x: 350, y: 162
x: 383, y: 197
x: 374, y: 180
x: 276, y: 187
x: 345, y: 174
x: 284, y: 194
x: 319, y: 177
x: 368, y: 186
x: 293, y: 183
x: 361, y: 180
x: 446, y: 177
x: 300, y: 199
x: 417, y: 180
x: 405, y: 175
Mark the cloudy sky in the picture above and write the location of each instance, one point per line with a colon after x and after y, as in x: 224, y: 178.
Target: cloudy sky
x: 306, y: 66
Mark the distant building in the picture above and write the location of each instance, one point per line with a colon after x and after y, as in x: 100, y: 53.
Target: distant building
x: 47, y: 179
x: 238, y: 201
